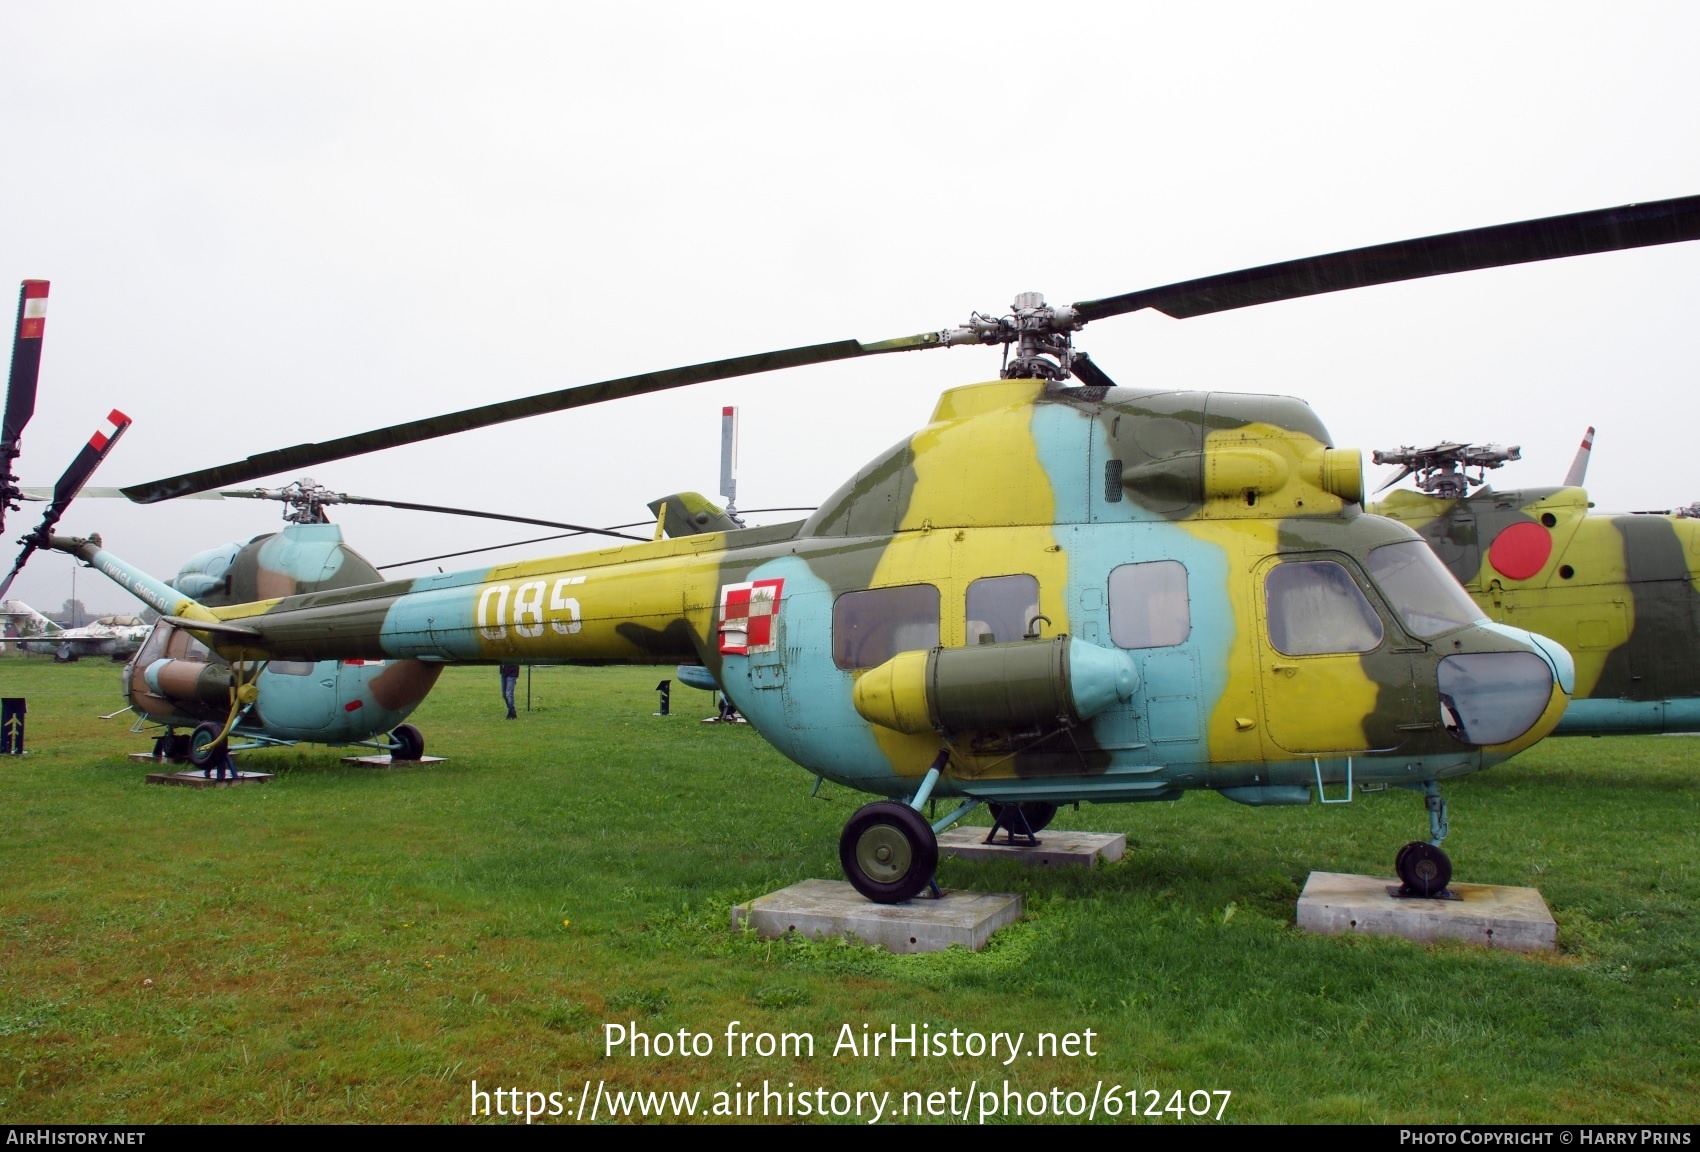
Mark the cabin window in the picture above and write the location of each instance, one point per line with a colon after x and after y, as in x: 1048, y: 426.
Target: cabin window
x: 1316, y: 607
x: 183, y: 646
x: 1423, y: 592
x: 1149, y: 607
x: 869, y: 628
x: 1000, y: 608
x: 291, y: 667
x: 154, y: 648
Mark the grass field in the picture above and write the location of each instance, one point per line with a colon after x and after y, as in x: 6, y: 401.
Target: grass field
x: 346, y: 944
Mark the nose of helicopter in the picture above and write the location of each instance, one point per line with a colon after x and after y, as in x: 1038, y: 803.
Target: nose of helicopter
x: 1508, y: 692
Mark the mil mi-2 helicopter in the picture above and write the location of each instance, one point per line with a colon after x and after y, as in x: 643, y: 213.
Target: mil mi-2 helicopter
x: 203, y: 708
x: 1051, y: 593
x: 1620, y: 592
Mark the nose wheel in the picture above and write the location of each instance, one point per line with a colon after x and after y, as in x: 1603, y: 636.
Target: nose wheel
x: 1423, y: 869
x: 888, y: 851
x: 406, y: 742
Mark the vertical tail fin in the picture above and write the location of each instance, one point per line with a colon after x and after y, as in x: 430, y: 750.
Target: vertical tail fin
x: 27, y: 620
x: 729, y: 458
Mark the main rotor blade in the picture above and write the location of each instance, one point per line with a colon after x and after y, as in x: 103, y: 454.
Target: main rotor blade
x: 303, y: 456
x: 1089, y: 373
x: 20, y: 385
x: 100, y: 445
x: 561, y: 536
x: 96, y: 492
x: 1578, y: 234
x: 1406, y: 471
x: 344, y: 499
x: 510, y: 544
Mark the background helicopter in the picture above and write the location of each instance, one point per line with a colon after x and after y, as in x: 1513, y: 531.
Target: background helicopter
x: 1221, y: 613
x: 1620, y: 592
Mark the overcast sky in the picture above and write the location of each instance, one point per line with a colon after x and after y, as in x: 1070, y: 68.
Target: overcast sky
x: 273, y: 223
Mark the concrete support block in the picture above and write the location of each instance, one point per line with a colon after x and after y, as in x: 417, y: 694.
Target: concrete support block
x: 384, y: 760
x: 1334, y: 903
x: 823, y: 908
x: 193, y: 778
x: 1056, y: 849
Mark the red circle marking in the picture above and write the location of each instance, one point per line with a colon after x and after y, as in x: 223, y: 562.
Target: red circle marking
x: 1521, y: 550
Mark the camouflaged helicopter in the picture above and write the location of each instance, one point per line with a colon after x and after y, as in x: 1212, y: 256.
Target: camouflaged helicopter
x: 1053, y: 592
x: 190, y: 697
x: 1621, y: 592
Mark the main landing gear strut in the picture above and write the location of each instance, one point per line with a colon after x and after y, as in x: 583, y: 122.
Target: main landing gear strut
x: 1424, y: 870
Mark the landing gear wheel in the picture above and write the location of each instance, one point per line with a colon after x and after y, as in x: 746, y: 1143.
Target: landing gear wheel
x: 205, y: 747
x: 406, y: 742
x: 171, y: 746
x: 888, y: 851
x: 1424, y: 869
x: 1037, y: 813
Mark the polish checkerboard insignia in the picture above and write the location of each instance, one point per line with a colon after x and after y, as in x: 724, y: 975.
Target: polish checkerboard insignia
x: 747, y: 613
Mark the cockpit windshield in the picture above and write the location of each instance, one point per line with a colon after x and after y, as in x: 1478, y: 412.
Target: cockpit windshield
x: 1427, y: 598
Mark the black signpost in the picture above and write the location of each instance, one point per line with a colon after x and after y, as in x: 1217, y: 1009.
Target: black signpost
x: 12, y: 726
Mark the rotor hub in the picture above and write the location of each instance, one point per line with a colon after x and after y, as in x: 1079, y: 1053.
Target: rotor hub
x: 303, y: 500
x: 1443, y: 470
x: 1036, y: 336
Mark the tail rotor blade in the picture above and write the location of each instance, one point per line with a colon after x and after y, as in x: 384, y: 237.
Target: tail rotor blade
x: 20, y: 387
x: 82, y: 467
x: 1579, y: 466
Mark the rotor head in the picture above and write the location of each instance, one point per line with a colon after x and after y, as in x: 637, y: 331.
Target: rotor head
x: 1443, y: 469
x: 1040, y: 333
